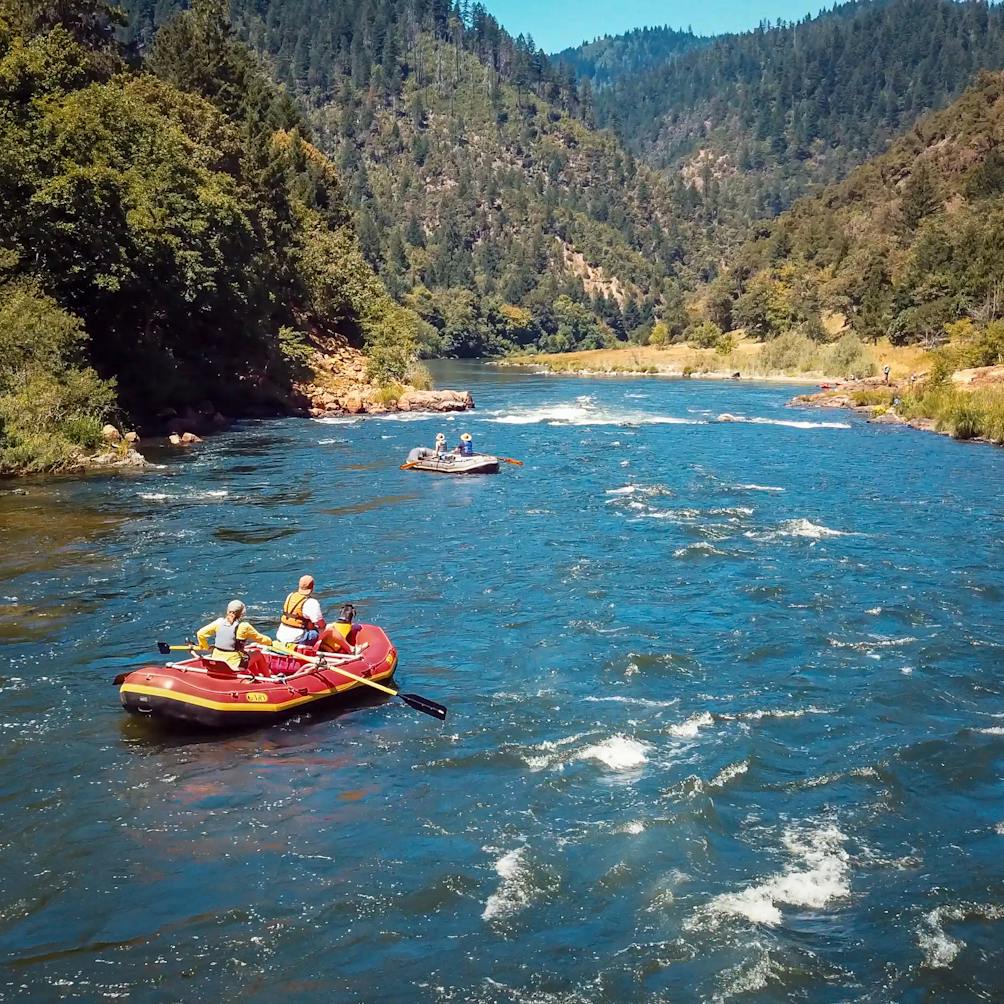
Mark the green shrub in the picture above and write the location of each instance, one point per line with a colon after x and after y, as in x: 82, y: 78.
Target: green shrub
x: 873, y: 396
x: 847, y: 357
x: 419, y: 377
x: 703, y: 335
x: 791, y: 352
x: 295, y: 351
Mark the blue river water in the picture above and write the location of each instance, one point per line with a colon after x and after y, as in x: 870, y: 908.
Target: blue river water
x: 726, y: 715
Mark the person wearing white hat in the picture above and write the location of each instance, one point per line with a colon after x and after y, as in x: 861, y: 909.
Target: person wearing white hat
x: 466, y: 445
x: 232, y: 633
x: 440, y: 444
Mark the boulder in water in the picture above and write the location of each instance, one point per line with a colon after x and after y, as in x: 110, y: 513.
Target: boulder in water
x: 436, y: 400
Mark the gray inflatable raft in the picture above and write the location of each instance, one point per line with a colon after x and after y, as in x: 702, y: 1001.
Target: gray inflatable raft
x: 424, y: 459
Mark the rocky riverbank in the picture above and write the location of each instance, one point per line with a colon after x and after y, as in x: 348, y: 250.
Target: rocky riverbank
x: 968, y: 405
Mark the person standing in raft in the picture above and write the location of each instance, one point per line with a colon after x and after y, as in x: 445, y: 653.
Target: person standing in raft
x: 466, y: 446
x: 302, y: 620
x: 232, y: 633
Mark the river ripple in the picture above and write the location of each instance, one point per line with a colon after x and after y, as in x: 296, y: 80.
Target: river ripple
x: 725, y: 713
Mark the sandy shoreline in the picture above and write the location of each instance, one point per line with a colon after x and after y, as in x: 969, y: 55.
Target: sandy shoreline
x: 671, y: 374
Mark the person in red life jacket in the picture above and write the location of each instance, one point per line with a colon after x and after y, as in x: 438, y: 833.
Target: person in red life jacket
x: 302, y: 620
x: 466, y: 446
x: 232, y: 633
x: 338, y: 636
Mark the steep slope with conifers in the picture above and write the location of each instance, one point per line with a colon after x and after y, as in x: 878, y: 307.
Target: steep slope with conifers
x: 760, y: 118
x: 611, y: 57
x: 908, y: 245
x: 167, y: 241
x: 482, y: 196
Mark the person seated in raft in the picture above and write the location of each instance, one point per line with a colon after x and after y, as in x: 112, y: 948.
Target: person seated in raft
x: 337, y: 637
x: 232, y: 634
x: 466, y: 445
x: 440, y: 444
x: 302, y: 619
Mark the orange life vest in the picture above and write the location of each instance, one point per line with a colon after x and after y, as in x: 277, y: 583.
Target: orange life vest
x: 292, y: 611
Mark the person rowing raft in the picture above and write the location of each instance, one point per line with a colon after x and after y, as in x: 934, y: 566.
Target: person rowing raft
x: 232, y: 633
x: 465, y: 448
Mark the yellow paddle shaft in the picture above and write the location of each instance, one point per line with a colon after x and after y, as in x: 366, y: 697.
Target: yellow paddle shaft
x: 344, y: 672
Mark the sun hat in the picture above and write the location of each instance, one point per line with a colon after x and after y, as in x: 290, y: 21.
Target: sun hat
x: 466, y: 437
x: 306, y: 583
x: 235, y: 607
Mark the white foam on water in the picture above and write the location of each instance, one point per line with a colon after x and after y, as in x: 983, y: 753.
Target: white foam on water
x: 994, y: 730
x: 999, y: 829
x: 800, y: 528
x: 696, y: 549
x: 635, y: 827
x: 514, y: 891
x: 618, y: 752
x: 757, y: 488
x: 787, y: 422
x: 643, y: 702
x: 755, y: 716
x: 906, y: 670
x: 332, y: 442
x: 939, y: 948
x: 692, y: 726
x: 870, y: 643
x: 585, y: 411
x: 202, y: 496
x: 875, y: 611
x: 726, y: 774
x: 626, y: 490
x: 338, y: 420
x: 817, y: 874
x: 550, y: 752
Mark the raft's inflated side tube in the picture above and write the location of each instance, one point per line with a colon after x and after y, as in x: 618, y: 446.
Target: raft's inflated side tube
x: 421, y: 453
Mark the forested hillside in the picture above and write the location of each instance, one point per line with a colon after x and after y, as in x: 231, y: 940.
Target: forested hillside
x: 611, y: 57
x: 481, y: 194
x: 167, y: 240
x: 909, y: 245
x: 759, y: 118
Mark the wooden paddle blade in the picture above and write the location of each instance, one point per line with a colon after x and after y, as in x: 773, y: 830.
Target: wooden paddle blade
x: 163, y: 648
x: 409, y: 466
x: 425, y: 706
x: 511, y: 460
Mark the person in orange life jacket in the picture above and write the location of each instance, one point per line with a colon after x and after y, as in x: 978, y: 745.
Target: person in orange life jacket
x: 232, y: 633
x: 302, y: 620
x: 466, y: 445
x: 337, y: 637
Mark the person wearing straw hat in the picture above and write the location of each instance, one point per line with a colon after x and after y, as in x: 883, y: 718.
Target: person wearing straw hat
x: 231, y: 633
x: 440, y: 444
x: 466, y: 445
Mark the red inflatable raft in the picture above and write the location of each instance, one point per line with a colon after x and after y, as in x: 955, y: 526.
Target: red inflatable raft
x: 206, y: 692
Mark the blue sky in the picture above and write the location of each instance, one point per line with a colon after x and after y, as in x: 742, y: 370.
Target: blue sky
x: 555, y: 24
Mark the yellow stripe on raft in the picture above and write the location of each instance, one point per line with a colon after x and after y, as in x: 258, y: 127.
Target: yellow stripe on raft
x: 205, y: 702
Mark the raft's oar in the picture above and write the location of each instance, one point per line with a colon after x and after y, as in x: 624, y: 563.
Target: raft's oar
x: 165, y: 649
x: 422, y: 704
x: 510, y: 460
x: 408, y: 466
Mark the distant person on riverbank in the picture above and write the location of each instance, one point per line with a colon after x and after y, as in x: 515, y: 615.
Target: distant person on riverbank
x: 302, y: 619
x: 232, y: 633
x: 886, y: 370
x: 466, y: 445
